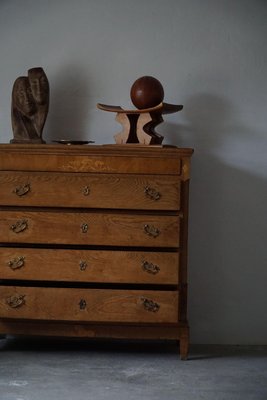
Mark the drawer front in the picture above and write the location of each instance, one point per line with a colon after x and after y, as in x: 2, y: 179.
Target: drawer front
x: 153, y: 192
x: 105, y: 229
x: 89, y: 266
x: 88, y: 305
x: 106, y: 159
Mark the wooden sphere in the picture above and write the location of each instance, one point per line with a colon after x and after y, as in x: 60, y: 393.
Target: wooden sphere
x: 146, y: 92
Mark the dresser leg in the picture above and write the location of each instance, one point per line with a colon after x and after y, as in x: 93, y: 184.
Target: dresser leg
x: 184, y: 348
x: 184, y: 343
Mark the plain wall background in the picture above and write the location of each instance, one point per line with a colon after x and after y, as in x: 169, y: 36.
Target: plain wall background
x: 211, y: 56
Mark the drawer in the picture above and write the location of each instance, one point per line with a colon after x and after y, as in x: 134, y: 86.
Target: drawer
x: 92, y: 159
x: 89, y: 266
x: 89, y: 305
x: 104, y: 229
x: 153, y: 192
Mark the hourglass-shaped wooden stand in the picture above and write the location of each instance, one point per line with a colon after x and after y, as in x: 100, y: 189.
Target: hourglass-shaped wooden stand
x: 138, y: 126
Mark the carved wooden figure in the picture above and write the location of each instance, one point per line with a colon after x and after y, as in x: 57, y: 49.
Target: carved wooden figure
x: 23, y: 108
x: 40, y: 91
x: 29, y: 108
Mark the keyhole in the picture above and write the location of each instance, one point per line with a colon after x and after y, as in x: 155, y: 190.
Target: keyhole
x: 82, y: 304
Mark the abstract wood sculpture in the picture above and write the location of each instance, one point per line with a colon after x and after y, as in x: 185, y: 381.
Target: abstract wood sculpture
x: 139, y: 124
x: 29, y: 108
x: 40, y: 91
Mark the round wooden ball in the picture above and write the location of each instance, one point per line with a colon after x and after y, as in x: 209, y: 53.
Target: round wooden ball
x: 146, y: 92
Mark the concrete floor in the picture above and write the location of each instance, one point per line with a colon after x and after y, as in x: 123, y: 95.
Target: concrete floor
x: 53, y: 369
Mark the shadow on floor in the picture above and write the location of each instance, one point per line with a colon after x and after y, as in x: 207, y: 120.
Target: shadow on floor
x: 159, y: 347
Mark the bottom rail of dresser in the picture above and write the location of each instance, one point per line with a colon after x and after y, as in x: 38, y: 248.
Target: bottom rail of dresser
x: 178, y: 332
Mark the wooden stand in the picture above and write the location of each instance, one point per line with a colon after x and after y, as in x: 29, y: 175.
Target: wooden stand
x: 139, y: 125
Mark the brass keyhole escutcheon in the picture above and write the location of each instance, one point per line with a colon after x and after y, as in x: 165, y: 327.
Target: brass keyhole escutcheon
x: 86, y: 191
x: 84, y: 228
x: 82, y: 304
x: 83, y: 265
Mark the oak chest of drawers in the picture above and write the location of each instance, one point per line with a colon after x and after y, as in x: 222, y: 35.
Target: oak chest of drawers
x: 93, y: 241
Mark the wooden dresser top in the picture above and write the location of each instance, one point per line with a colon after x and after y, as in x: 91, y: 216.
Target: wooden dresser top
x: 94, y: 158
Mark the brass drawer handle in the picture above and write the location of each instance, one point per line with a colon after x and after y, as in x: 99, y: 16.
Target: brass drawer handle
x: 150, y: 305
x: 82, y: 304
x: 150, y: 267
x: 16, y: 301
x: 83, y: 265
x: 152, y: 193
x: 84, y: 228
x: 150, y: 230
x: 22, y: 189
x: 16, y: 263
x: 86, y: 191
x: 19, y: 226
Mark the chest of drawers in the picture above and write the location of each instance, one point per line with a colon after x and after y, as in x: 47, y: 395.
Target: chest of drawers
x: 93, y: 241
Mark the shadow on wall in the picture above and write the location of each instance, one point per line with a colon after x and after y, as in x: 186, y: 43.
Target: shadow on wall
x: 68, y: 105
x: 227, y: 231
x: 227, y: 255
x: 207, y: 116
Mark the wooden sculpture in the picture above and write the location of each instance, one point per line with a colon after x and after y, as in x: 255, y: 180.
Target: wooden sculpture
x: 40, y: 91
x: 29, y: 108
x: 139, y: 124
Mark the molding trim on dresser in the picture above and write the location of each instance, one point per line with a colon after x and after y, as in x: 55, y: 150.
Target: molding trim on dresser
x: 93, y: 241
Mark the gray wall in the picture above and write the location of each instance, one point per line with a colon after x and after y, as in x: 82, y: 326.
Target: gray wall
x: 211, y: 56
